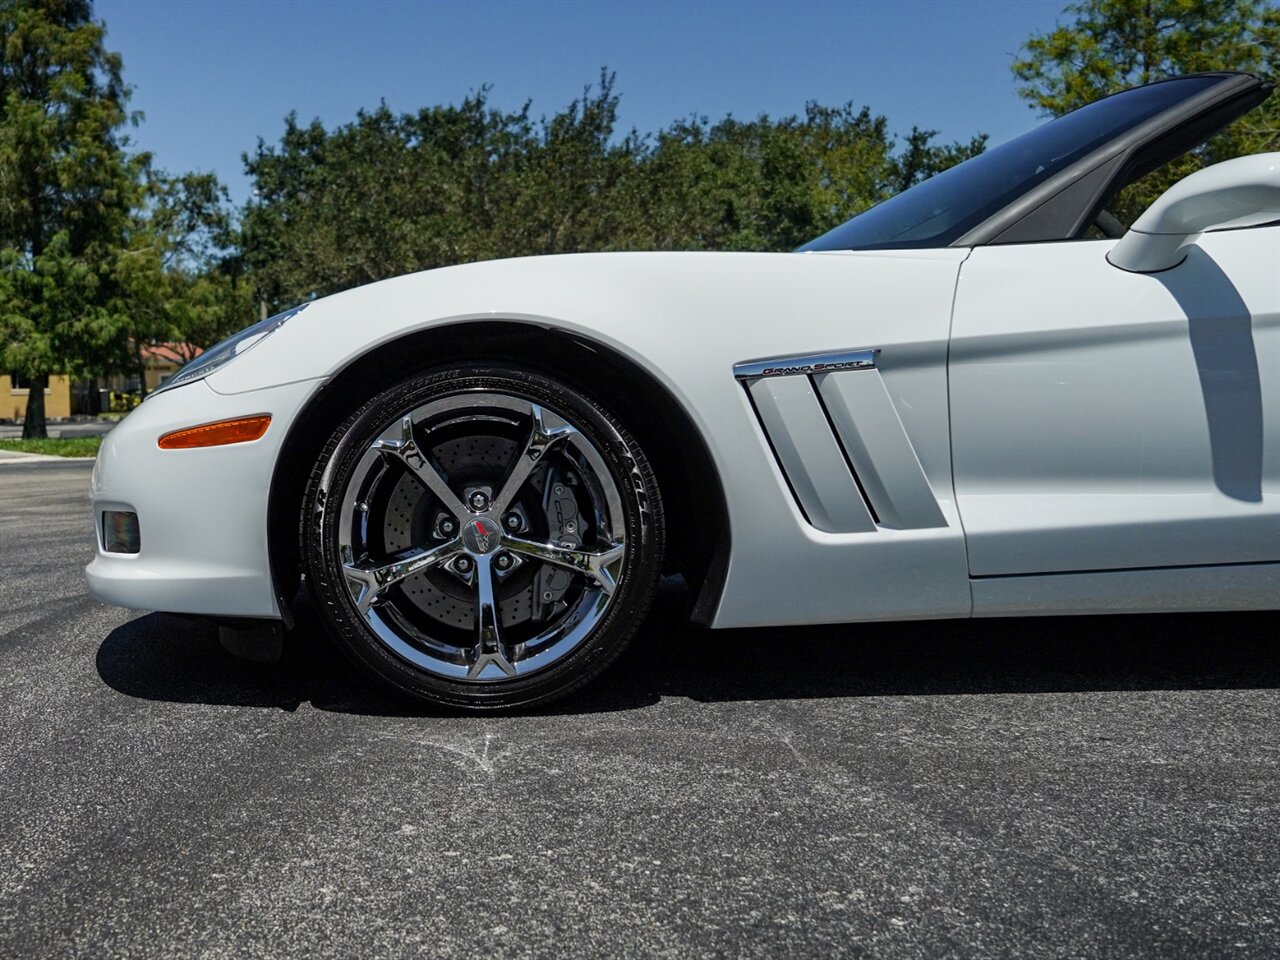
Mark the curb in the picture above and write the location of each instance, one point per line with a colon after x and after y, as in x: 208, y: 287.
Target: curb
x: 13, y: 456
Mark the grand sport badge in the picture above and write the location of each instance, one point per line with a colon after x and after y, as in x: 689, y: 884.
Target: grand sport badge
x: 805, y: 366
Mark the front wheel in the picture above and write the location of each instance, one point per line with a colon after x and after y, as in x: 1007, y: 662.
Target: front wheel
x: 483, y: 538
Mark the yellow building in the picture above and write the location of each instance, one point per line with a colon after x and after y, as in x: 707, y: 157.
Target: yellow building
x: 163, y: 360
x: 14, y: 391
x: 120, y: 392
x: 160, y: 361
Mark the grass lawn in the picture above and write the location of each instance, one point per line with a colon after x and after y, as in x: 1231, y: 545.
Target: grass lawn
x: 68, y: 447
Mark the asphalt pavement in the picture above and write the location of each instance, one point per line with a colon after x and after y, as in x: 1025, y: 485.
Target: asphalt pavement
x: 1084, y: 787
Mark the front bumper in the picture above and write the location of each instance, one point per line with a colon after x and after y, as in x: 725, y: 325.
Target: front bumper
x: 202, y: 513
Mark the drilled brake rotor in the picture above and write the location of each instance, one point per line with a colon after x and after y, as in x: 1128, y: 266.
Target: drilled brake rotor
x: 410, y: 513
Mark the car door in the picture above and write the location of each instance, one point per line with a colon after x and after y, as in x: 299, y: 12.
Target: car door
x: 1105, y: 420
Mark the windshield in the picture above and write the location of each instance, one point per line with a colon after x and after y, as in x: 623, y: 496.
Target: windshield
x: 944, y: 208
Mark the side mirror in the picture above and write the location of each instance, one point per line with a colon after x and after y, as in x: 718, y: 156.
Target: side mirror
x: 1243, y: 192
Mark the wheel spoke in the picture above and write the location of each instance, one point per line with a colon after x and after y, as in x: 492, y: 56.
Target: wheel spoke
x: 542, y: 439
x: 437, y: 569
x: 407, y: 451
x: 373, y: 580
x: 489, y: 646
x: 593, y: 564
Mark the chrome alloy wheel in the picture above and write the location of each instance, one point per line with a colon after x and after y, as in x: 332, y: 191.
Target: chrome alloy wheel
x: 481, y: 536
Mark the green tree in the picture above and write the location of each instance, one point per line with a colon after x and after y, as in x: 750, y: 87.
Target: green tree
x: 388, y: 194
x: 179, y: 279
x: 921, y: 158
x: 1109, y: 45
x: 564, y: 189
x: 67, y: 186
x: 762, y: 184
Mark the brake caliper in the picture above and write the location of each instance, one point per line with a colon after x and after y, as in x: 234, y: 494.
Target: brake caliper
x: 565, y: 528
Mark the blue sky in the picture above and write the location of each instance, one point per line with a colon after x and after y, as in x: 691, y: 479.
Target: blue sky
x: 212, y: 76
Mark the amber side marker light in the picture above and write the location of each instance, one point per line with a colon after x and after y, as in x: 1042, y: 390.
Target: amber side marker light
x: 239, y: 430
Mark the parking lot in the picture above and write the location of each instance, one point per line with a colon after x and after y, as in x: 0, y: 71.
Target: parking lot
x: 1073, y: 788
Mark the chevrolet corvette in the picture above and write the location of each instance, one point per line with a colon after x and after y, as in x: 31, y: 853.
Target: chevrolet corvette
x: 987, y: 396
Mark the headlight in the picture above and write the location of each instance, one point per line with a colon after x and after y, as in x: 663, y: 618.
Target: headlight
x: 227, y: 350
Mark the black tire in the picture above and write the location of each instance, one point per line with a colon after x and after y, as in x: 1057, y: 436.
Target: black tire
x: 395, y: 636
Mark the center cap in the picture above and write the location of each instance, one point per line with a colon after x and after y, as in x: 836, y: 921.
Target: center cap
x: 480, y: 536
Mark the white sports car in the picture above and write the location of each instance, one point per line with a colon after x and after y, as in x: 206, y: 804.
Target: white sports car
x: 984, y: 397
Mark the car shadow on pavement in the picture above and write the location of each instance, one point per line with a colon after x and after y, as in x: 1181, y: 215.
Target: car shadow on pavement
x: 164, y: 658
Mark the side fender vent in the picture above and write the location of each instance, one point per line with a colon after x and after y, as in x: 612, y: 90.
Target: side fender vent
x: 807, y: 451
x: 838, y: 440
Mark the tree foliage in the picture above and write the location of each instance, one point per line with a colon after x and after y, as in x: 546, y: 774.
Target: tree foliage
x: 67, y: 187
x: 1109, y: 45
x: 392, y: 193
x: 180, y: 282
x: 99, y: 254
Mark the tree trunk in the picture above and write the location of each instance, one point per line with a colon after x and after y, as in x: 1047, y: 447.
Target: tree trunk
x: 141, y: 367
x: 33, y: 425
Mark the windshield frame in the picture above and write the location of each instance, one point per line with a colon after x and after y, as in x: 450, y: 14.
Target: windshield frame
x: 1061, y: 206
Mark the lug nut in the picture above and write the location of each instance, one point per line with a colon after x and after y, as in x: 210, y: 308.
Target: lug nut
x: 479, y: 501
x: 447, y: 526
x: 512, y: 521
x: 462, y: 564
x: 503, y: 561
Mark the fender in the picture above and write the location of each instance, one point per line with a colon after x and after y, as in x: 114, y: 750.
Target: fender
x: 687, y: 320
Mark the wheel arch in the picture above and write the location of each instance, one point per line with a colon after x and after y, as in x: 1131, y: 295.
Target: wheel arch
x: 693, y: 493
